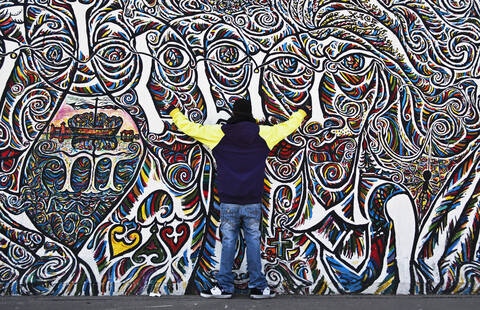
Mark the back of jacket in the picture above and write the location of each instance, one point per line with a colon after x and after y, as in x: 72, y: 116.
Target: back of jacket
x: 240, y: 156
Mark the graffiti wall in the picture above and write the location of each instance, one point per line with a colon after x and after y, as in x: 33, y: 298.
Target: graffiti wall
x: 377, y: 193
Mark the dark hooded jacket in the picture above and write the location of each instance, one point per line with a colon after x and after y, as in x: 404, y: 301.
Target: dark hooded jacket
x: 240, y: 149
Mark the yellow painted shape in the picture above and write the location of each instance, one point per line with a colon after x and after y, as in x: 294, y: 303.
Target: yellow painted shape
x: 119, y: 246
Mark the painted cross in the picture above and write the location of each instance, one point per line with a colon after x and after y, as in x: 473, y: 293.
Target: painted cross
x: 280, y: 246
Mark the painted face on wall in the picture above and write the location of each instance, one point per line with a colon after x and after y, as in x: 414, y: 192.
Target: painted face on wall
x: 364, y: 91
x: 341, y: 81
x: 71, y: 151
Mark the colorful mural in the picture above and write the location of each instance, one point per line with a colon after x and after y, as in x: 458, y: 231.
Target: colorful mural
x: 377, y: 193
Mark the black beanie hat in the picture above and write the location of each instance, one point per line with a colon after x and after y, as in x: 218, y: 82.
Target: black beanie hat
x: 242, y: 107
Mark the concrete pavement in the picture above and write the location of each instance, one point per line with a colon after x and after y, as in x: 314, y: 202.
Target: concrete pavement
x: 337, y: 302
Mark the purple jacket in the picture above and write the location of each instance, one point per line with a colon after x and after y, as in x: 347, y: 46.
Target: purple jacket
x: 240, y: 151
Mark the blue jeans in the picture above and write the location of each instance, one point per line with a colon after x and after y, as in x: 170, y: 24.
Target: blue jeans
x: 248, y: 217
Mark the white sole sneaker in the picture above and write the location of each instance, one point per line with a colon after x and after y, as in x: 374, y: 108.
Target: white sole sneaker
x: 215, y: 292
x: 261, y: 294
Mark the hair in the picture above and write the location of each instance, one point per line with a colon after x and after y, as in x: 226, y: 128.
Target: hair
x: 241, y: 112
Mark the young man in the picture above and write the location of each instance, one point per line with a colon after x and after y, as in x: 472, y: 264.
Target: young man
x: 240, y: 148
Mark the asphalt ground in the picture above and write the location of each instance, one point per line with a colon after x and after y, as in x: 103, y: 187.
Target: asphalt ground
x: 240, y: 302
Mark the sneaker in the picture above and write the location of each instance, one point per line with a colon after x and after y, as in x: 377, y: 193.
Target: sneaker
x: 256, y: 293
x: 215, y: 292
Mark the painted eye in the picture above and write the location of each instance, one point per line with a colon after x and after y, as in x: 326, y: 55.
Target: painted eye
x: 353, y: 62
x: 113, y: 54
x: 54, y: 53
x: 173, y: 57
x: 287, y: 65
x: 227, y: 54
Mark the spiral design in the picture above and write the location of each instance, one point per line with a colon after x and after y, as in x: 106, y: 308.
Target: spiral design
x: 418, y: 42
x: 17, y: 88
x: 331, y: 67
x: 128, y: 99
x: 274, y: 277
x: 348, y: 108
x: 443, y: 127
x: 281, y: 220
x: 267, y: 19
x: 350, y: 149
x: 313, y: 128
x: 46, y: 147
x: 283, y: 199
x: 19, y: 255
x: 70, y: 223
x: 7, y: 274
x: 195, y: 115
x: 40, y: 104
x: 153, y: 38
x: 397, y: 177
x: 180, y: 175
x: 332, y: 173
x: 285, y: 170
x: 43, y: 277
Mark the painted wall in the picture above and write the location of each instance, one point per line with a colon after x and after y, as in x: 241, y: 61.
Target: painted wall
x: 377, y: 193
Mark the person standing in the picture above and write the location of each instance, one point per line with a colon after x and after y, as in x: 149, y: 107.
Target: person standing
x: 240, y: 148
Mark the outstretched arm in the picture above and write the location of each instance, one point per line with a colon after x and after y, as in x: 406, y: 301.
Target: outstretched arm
x: 209, y: 135
x: 274, y: 134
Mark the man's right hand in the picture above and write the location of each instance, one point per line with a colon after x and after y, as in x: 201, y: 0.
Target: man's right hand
x: 308, y: 111
x: 169, y: 107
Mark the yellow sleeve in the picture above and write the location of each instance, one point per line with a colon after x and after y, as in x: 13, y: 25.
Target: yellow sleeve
x: 210, y: 135
x: 274, y: 134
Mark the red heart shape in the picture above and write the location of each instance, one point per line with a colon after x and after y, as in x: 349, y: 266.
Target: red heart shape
x: 183, y: 232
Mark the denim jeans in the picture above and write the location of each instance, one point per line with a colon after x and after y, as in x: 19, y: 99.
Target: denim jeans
x: 232, y: 217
